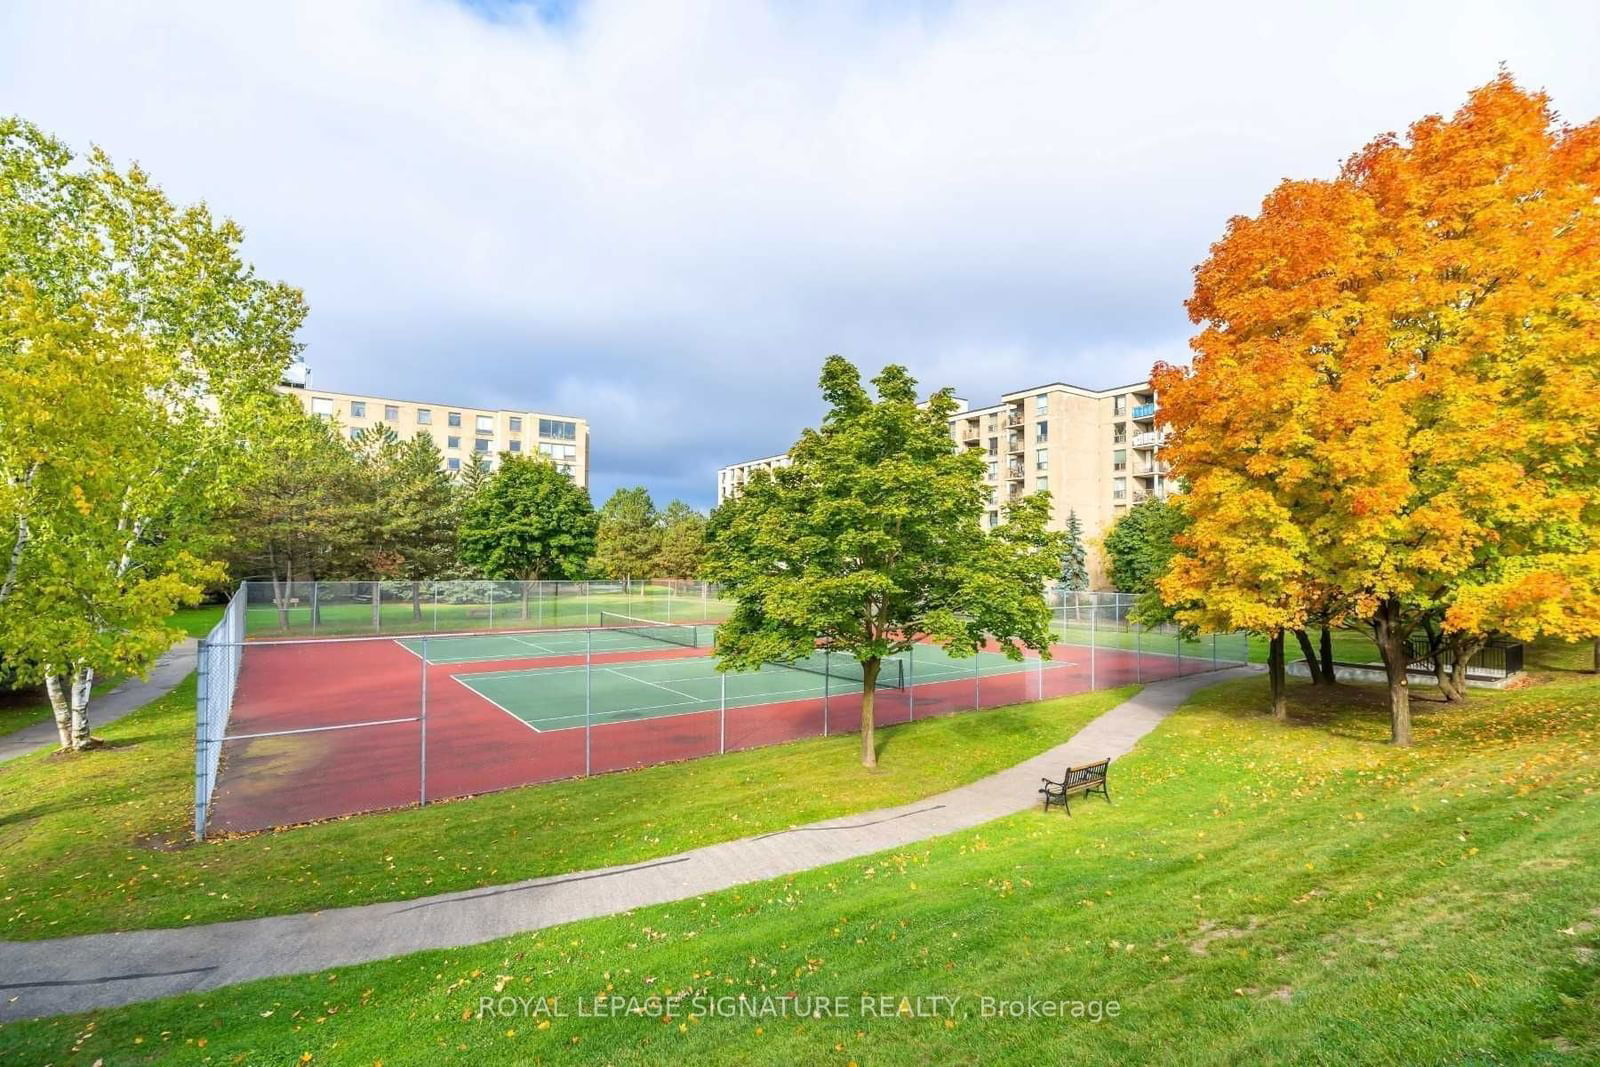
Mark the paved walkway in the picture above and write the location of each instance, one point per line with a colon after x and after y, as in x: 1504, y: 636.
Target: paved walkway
x: 40, y: 978
x: 130, y: 696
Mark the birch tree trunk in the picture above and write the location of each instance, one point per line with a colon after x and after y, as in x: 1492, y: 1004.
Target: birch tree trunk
x: 60, y: 707
x: 82, y: 686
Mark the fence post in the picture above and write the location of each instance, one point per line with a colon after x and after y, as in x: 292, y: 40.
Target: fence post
x: 588, y: 696
x: 911, y: 685
x: 977, y: 693
x: 1138, y: 653
x: 377, y: 607
x: 202, y: 790
x: 422, y: 731
x: 315, y: 609
x: 722, y: 740
x: 827, y: 686
x: 1093, y: 611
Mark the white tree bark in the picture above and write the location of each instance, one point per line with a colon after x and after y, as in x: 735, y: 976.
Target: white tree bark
x: 82, y: 685
x: 60, y: 707
x: 24, y: 534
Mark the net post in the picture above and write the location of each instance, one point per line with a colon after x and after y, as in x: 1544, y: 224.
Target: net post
x: 202, y: 792
x: 588, y: 697
x: 422, y: 731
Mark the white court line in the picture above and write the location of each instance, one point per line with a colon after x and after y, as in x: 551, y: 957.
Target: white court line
x: 496, y: 703
x: 669, y: 689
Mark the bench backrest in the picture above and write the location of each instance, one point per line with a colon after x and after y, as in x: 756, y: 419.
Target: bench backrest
x: 1087, y: 774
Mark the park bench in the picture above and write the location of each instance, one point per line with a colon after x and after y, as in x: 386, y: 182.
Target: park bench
x: 1090, y: 778
x: 479, y: 613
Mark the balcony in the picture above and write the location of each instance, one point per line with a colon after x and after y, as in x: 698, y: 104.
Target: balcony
x: 1015, y: 417
x: 1145, y: 411
x: 1015, y: 443
x: 1149, y: 439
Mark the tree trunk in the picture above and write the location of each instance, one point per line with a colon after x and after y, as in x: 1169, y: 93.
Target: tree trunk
x: 1597, y: 655
x: 869, y: 688
x: 280, y: 596
x: 1328, y: 675
x: 1391, y: 637
x: 1277, y: 681
x: 1310, y: 656
x: 82, y: 686
x: 1465, y: 648
x: 416, y: 601
x: 525, y: 600
x: 55, y: 685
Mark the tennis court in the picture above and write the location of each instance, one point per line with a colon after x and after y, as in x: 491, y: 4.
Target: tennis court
x: 561, y: 698
x: 301, y: 730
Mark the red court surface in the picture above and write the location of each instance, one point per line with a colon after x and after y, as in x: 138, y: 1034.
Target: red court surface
x: 472, y: 746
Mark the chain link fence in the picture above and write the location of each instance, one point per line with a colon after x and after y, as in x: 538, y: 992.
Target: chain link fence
x: 560, y: 682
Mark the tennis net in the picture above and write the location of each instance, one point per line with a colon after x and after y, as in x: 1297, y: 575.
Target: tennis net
x: 891, y: 672
x: 671, y: 633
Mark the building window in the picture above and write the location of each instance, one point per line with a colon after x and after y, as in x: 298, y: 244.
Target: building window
x: 453, y: 463
x: 1041, y: 431
x: 994, y: 518
x: 486, y: 424
x: 1119, y: 433
x: 1041, y: 404
x: 1119, y: 488
x: 994, y: 470
x: 1119, y: 459
x: 391, y: 413
x: 516, y: 446
x: 1119, y: 405
x: 994, y: 446
x: 452, y: 442
x: 424, y: 416
x: 481, y: 445
x: 358, y: 409
x: 558, y: 428
x: 516, y: 424
x: 321, y: 405
x: 1041, y: 459
x: 571, y: 452
x: 354, y: 433
x: 453, y: 418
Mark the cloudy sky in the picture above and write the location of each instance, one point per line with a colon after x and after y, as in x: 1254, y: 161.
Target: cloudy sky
x: 663, y: 214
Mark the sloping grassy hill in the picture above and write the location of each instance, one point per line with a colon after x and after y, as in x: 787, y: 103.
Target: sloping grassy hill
x: 1257, y: 893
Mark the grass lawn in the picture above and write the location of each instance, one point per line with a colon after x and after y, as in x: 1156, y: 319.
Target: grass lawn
x: 101, y: 840
x: 1258, y: 893
x: 24, y: 707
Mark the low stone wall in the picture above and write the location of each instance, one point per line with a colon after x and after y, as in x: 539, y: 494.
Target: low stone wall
x: 1374, y: 673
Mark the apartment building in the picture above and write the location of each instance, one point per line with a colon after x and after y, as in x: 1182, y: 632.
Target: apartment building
x: 731, y: 479
x: 461, y: 432
x: 1096, y: 450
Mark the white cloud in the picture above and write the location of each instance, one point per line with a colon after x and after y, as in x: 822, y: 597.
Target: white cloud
x: 663, y: 214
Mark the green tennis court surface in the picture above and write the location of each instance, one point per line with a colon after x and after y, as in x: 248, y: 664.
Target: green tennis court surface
x: 528, y: 644
x: 559, y: 698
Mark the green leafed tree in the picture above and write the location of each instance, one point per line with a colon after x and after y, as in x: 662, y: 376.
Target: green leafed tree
x: 629, y: 538
x: 409, y: 527
x: 137, y: 352
x: 871, y: 540
x: 300, y: 510
x: 529, y: 522
x: 683, y: 542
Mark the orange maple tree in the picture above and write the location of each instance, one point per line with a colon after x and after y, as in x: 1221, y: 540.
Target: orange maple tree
x: 1394, y: 405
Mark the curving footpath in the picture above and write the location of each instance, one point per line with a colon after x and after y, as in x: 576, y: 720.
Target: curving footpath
x: 173, y: 667
x: 39, y: 978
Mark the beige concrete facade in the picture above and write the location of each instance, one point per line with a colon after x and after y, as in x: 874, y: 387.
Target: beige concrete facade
x: 461, y: 432
x: 1095, y: 450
